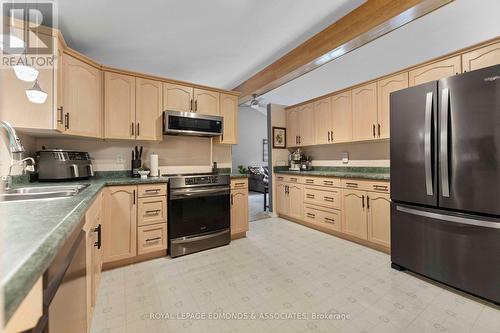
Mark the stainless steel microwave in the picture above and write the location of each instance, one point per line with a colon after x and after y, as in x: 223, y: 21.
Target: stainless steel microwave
x: 190, y: 123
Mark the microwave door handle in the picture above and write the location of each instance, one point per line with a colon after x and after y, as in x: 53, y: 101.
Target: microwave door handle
x: 443, y: 142
x: 427, y: 144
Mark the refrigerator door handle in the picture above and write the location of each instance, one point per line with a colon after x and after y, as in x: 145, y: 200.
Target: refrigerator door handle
x: 449, y: 218
x: 443, y: 143
x: 427, y: 143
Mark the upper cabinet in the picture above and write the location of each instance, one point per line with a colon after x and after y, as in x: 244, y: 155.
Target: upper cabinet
x: 306, y: 128
x: 480, y: 58
x: 292, y: 127
x: 148, y: 109
x: 384, y: 89
x: 229, y: 111
x: 364, y: 112
x: 323, y: 121
x: 81, y: 109
x: 206, y: 102
x: 119, y: 106
x: 435, y: 71
x: 177, y: 97
x: 342, y: 117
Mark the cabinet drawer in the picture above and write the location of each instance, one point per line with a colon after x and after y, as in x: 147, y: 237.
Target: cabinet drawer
x: 324, y: 217
x: 152, y: 210
x: 150, y: 190
x: 322, y: 181
x: 375, y: 186
x: 290, y: 179
x: 327, y: 197
x: 239, y: 183
x: 355, y: 184
x: 151, y: 238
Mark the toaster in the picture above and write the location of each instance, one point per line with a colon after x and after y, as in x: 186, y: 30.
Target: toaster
x: 61, y: 164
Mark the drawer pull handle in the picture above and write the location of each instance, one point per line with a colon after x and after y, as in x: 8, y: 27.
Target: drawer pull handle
x: 327, y: 219
x: 156, y: 211
x: 239, y: 184
x: 293, y: 179
x: 311, y: 215
x: 152, y: 190
x: 327, y: 182
x: 309, y: 181
x: 310, y: 196
x: 329, y: 199
x: 153, y: 239
x: 351, y: 184
x: 380, y: 187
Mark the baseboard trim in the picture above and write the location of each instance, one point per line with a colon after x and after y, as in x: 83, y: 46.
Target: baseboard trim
x: 338, y: 234
x: 134, y: 260
x: 239, y: 235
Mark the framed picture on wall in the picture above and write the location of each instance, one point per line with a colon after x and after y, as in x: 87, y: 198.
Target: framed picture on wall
x: 279, y: 137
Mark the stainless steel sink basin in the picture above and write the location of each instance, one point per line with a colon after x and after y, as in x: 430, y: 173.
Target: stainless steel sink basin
x: 42, y: 192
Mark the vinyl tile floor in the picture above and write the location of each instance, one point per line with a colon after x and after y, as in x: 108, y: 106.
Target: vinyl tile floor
x: 283, y: 277
x: 256, y: 206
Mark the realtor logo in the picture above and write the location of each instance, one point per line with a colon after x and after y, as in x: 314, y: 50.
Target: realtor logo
x: 21, y: 27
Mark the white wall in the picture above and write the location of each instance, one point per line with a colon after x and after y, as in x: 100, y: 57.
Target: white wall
x: 252, y: 129
x: 457, y: 25
x: 361, y: 154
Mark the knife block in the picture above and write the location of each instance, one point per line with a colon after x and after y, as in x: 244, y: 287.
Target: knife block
x: 136, y: 164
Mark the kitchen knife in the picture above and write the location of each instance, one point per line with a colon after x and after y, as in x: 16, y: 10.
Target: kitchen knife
x: 140, y: 154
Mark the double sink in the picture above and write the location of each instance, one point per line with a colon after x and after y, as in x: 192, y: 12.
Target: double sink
x: 42, y: 192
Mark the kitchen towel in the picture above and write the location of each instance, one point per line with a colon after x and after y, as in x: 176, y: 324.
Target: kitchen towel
x: 153, y: 165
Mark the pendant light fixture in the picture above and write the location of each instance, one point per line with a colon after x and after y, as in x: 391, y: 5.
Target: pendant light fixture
x: 36, y: 94
x: 25, y: 72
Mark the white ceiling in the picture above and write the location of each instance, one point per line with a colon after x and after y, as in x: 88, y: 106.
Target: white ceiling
x: 218, y: 42
x: 457, y: 25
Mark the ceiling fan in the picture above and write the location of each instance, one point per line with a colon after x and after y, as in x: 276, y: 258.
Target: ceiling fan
x: 255, y: 103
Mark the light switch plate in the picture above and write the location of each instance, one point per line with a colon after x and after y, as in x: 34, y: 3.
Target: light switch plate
x: 119, y: 158
x: 345, y: 157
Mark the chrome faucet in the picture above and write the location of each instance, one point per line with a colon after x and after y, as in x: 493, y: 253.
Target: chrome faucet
x: 15, y: 143
x: 15, y: 147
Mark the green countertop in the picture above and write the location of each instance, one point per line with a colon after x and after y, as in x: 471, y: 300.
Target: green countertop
x: 375, y: 173
x: 33, y: 232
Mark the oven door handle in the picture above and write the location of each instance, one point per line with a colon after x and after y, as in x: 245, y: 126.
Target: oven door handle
x: 190, y: 239
x: 198, y: 193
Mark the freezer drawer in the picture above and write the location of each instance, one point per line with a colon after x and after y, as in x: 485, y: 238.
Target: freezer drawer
x: 459, y: 250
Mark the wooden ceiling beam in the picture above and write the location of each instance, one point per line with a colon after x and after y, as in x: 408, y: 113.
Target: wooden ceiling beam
x: 364, y: 24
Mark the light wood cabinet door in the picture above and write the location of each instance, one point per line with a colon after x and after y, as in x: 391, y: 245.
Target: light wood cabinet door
x: 354, y: 213
x: 364, y: 112
x: 239, y: 211
x: 296, y: 198
x: 282, y: 202
x: 229, y: 111
x: 148, y: 110
x: 120, y: 222
x: 292, y: 127
x: 151, y: 238
x: 480, y: 58
x: 206, y: 102
x: 435, y: 71
x: 306, y: 125
x: 323, y: 121
x: 379, y: 221
x: 384, y: 89
x: 58, y: 89
x: 177, y: 97
x: 82, y: 98
x: 341, y: 117
x: 119, y: 106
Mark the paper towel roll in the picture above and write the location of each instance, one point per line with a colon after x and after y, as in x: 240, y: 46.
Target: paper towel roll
x: 153, y: 165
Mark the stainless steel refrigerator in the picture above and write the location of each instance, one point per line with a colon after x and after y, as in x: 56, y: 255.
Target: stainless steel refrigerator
x: 445, y: 181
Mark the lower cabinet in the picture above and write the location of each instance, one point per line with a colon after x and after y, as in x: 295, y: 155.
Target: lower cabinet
x: 355, y: 208
x: 151, y: 238
x: 239, y: 207
x: 120, y: 214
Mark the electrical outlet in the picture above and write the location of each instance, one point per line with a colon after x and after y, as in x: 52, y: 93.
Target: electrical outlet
x: 345, y: 157
x: 119, y: 158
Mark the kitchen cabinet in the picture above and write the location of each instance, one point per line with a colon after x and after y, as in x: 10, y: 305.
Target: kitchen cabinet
x: 323, y: 121
x: 148, y: 110
x: 482, y: 57
x: 364, y: 112
x: 81, y: 108
x: 379, y: 219
x: 120, y: 223
x: 384, y: 88
x: 28, y: 312
x: 151, y: 218
x: 342, y: 117
x: 306, y: 125
x: 435, y: 71
x: 177, y: 97
x: 323, y: 217
x: 354, y: 213
x: 282, y: 202
x: 152, y: 210
x: 292, y: 127
x: 239, y: 211
x: 206, y: 102
x: 119, y: 106
x: 290, y: 199
x: 151, y: 238
x: 229, y: 111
